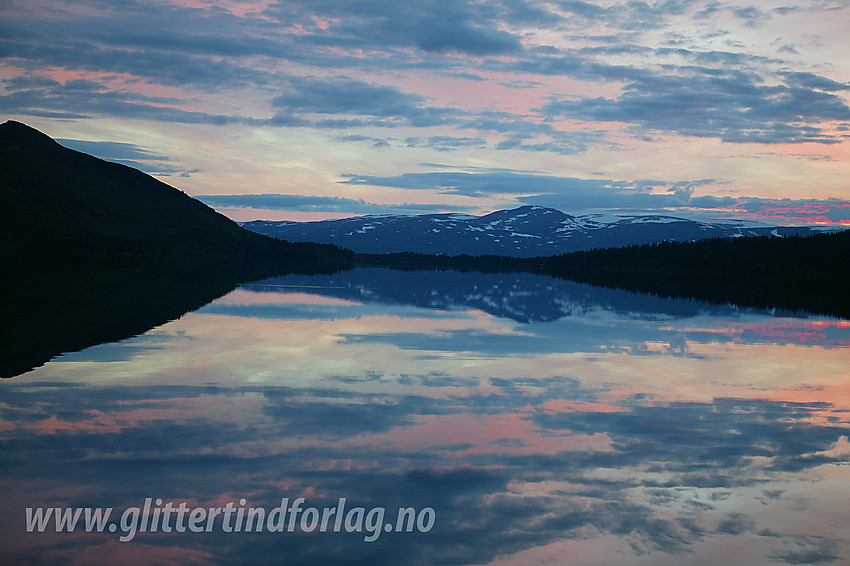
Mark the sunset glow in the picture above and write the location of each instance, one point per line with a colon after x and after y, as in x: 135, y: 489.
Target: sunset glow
x: 711, y: 110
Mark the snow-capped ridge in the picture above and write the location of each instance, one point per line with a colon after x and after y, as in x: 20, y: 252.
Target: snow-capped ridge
x: 526, y: 231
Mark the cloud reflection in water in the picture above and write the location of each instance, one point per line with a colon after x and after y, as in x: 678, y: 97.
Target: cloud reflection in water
x: 642, y: 432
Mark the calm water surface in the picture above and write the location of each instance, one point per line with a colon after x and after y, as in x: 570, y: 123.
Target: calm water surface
x: 543, y: 421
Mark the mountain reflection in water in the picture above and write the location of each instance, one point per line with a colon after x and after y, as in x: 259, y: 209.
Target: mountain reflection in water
x: 544, y: 421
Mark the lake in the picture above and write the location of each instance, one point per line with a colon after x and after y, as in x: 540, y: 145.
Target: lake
x: 416, y: 417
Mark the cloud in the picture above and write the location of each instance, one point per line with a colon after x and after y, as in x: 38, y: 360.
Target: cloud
x: 627, y: 196
x: 58, y: 100
x: 826, y: 211
x: 736, y: 524
x: 459, y: 182
x: 813, y: 81
x: 751, y: 14
x: 570, y: 193
x: 499, y: 458
x: 434, y: 26
x: 128, y: 154
x: 351, y: 97
x: 120, y: 47
x: 333, y: 440
x: 525, y: 135
x: 305, y: 203
x: 111, y: 150
x: 446, y: 143
x: 438, y: 143
x: 808, y: 550
x: 731, y: 105
x: 328, y: 418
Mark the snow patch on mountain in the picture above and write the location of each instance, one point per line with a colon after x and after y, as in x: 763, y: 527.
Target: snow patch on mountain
x: 527, y: 231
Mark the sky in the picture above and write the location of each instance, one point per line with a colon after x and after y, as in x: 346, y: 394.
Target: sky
x: 314, y: 109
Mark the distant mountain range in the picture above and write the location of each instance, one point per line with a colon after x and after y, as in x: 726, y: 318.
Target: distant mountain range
x: 54, y: 199
x: 524, y: 297
x: 527, y: 231
x: 94, y: 213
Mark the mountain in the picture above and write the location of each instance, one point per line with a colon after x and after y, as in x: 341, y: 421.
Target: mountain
x: 520, y: 296
x: 527, y: 231
x: 54, y: 199
x: 72, y: 302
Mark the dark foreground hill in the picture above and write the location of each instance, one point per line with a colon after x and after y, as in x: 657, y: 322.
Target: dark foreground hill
x: 54, y: 199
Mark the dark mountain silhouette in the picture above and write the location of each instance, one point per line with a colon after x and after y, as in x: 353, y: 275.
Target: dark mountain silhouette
x: 54, y: 199
x: 92, y: 251
x: 73, y: 302
x: 65, y: 303
x: 135, y: 252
